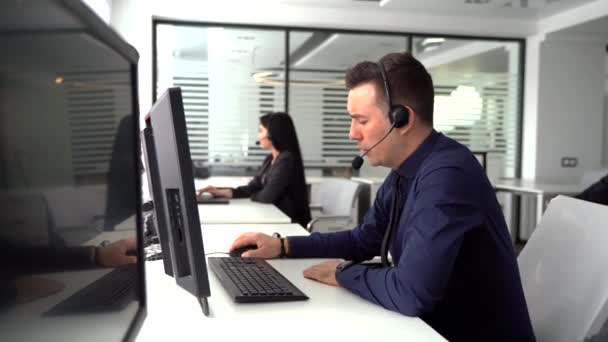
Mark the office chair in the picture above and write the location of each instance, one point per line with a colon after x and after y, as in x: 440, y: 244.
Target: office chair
x: 337, y: 198
x: 564, y: 271
x: 592, y: 176
x: 482, y: 157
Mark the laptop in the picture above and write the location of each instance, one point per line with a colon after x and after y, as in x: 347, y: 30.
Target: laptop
x: 207, y: 198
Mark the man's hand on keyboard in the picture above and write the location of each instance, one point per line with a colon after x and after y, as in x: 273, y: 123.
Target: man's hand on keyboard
x: 119, y: 253
x: 268, y: 246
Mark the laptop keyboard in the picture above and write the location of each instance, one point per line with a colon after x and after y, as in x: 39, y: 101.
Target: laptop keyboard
x: 112, y: 292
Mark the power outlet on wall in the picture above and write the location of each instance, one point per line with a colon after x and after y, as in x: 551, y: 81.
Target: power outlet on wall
x: 569, y: 161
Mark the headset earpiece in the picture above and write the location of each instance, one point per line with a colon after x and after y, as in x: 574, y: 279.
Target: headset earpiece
x: 398, y: 115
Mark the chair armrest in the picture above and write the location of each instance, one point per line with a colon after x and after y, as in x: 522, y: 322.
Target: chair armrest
x: 316, y: 220
x: 315, y: 207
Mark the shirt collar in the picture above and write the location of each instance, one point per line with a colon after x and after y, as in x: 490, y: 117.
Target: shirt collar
x: 410, y: 166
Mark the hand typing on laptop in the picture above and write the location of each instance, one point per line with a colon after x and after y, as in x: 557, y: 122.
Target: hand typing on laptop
x: 216, y: 192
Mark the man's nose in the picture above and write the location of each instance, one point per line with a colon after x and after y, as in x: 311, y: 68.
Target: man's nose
x: 354, y: 133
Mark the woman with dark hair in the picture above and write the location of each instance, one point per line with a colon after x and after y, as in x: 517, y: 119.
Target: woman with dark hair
x: 280, y: 180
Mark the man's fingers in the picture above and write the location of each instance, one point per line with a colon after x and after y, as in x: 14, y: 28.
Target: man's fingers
x: 131, y: 244
x: 243, y: 240
x: 205, y: 189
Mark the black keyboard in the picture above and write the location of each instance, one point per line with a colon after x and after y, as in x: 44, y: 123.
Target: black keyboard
x: 112, y: 292
x: 251, y: 280
x: 212, y: 200
x: 153, y: 252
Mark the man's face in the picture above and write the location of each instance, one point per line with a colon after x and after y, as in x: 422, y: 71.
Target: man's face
x: 369, y: 122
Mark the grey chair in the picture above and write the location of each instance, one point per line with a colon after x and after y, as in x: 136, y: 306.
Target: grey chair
x: 564, y: 271
x: 337, y: 197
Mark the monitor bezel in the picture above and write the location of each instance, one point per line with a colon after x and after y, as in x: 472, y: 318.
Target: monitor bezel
x: 191, y: 253
x: 105, y: 35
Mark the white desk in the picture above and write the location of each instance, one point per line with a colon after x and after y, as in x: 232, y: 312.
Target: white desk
x: 331, y: 313
x: 234, y: 181
x: 27, y: 322
x: 541, y: 191
x: 109, y: 326
x: 242, y: 210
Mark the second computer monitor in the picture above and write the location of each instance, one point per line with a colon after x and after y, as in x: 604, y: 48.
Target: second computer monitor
x: 175, y: 184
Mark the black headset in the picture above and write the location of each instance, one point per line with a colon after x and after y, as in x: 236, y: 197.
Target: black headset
x: 398, y: 114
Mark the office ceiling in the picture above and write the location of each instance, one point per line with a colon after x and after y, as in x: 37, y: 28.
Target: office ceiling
x: 261, y: 50
x: 264, y: 49
x: 500, y: 8
x: 597, y: 26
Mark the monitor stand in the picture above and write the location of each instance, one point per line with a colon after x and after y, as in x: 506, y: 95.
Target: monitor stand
x: 204, y: 305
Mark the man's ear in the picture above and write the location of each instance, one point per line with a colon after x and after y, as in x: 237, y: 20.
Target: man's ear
x: 411, y: 122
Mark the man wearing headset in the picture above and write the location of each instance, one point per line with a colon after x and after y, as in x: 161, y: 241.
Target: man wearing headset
x: 453, y: 262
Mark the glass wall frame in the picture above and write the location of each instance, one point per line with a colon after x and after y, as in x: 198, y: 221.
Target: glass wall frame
x: 315, y: 97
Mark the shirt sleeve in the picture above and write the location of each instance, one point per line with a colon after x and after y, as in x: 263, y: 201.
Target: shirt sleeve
x: 277, y: 180
x: 359, y: 244
x: 444, y: 209
x: 253, y: 186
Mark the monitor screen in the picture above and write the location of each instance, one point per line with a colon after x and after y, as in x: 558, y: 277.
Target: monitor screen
x: 174, y: 195
x: 68, y: 171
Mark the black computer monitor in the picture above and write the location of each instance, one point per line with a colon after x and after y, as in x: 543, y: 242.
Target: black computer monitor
x: 67, y: 81
x: 174, y: 182
x: 121, y: 188
x: 158, y: 218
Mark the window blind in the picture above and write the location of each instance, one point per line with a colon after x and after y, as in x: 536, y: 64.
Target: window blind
x: 95, y: 104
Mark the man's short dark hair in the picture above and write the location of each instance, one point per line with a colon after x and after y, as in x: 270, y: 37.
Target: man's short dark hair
x: 408, y: 80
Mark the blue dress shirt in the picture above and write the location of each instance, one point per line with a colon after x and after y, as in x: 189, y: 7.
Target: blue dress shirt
x: 454, y: 262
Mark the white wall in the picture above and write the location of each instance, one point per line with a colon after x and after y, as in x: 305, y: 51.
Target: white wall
x: 562, y: 76
x: 570, y: 108
x: 605, y: 144
x: 530, y: 118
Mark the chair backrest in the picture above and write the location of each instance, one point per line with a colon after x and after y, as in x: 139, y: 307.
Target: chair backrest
x: 590, y: 177
x: 564, y: 270
x: 338, y: 196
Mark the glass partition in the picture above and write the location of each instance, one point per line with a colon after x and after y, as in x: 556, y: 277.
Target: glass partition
x: 317, y: 96
x: 477, y: 95
x: 231, y: 74
x: 228, y: 76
